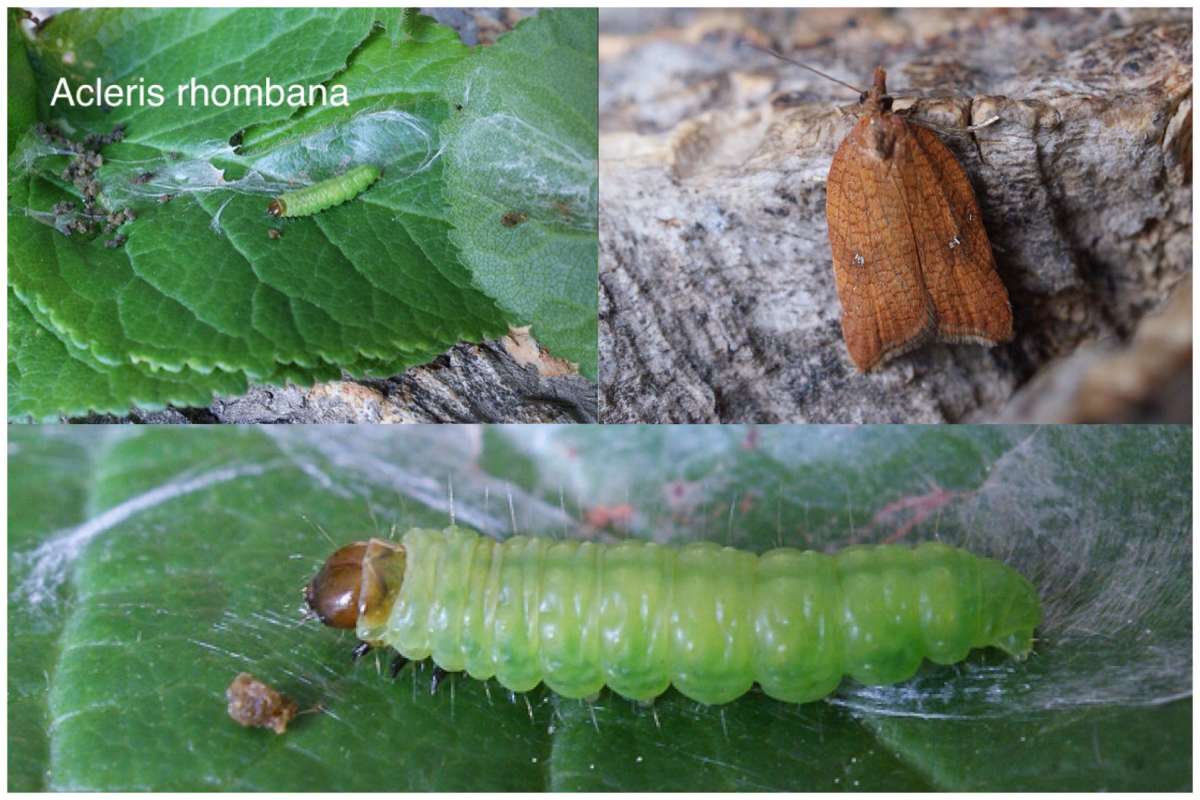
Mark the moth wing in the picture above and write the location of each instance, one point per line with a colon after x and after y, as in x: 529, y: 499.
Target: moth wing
x: 885, y: 308
x: 968, y: 296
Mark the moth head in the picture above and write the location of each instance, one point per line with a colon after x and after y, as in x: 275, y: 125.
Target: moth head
x: 876, y: 99
x: 359, y: 581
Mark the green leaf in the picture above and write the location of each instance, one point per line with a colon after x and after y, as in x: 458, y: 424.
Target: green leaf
x: 45, y: 507
x: 22, y: 88
x: 147, y: 567
x: 43, y: 368
x: 199, y: 299
x: 171, y: 46
x: 522, y: 176
x: 402, y: 23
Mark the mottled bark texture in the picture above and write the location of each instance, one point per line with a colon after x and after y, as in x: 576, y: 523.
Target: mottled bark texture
x: 509, y: 380
x: 717, y: 299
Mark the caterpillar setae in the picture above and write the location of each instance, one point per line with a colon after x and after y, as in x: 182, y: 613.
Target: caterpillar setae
x: 639, y: 616
x: 326, y: 194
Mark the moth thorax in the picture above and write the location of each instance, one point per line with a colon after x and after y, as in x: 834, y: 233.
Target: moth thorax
x: 883, y: 132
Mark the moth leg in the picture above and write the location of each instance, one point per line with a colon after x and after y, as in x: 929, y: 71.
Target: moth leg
x: 360, y: 650
x: 398, y: 662
x: 438, y: 675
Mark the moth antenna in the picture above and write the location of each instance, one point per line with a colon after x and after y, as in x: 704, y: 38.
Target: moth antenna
x: 940, y: 129
x: 528, y: 707
x: 987, y: 123
x: 450, y: 484
x: 322, y: 531
x: 512, y: 512
x: 724, y: 728
x: 802, y: 65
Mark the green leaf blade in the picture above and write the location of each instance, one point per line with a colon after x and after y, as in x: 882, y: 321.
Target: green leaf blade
x: 197, y: 547
x: 523, y: 179
x: 203, y: 297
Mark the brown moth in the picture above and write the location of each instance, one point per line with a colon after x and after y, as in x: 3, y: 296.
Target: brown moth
x: 911, y: 258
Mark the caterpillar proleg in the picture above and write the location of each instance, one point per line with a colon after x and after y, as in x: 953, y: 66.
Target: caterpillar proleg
x: 326, y: 194
x: 639, y: 617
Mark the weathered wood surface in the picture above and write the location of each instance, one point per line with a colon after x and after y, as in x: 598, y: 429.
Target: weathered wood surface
x: 717, y: 300
x: 468, y: 383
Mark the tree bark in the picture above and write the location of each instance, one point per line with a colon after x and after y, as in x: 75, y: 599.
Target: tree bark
x: 468, y: 383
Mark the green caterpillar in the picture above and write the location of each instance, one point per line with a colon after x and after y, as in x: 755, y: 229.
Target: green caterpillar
x: 326, y: 194
x: 639, y: 617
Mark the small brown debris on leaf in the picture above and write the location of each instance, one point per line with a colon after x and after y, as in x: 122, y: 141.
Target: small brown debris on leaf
x: 512, y: 219
x: 253, y: 704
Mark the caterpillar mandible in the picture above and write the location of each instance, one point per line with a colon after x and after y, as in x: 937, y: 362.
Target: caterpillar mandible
x: 639, y: 616
x: 326, y: 194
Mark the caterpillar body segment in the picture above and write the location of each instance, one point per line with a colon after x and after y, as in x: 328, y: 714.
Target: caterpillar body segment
x: 326, y: 194
x: 710, y: 620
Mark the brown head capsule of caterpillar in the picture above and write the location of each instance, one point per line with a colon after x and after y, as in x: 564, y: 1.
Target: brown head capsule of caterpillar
x: 358, y: 582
